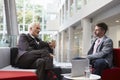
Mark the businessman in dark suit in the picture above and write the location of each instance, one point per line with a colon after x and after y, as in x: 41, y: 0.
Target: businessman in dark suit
x: 101, y: 51
x: 35, y: 53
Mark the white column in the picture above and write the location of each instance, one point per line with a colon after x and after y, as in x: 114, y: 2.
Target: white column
x: 62, y: 18
x: 86, y: 35
x: 11, y: 17
x: 70, y: 39
x: 68, y: 8
x: 62, y: 45
x: 65, y: 45
x: 57, y: 47
x: 11, y: 20
x: 75, y: 6
x: 65, y: 12
x: 60, y: 36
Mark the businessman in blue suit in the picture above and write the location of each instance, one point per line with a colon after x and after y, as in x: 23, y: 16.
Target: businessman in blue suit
x: 101, y: 51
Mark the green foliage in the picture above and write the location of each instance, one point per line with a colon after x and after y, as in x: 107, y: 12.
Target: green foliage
x: 28, y: 17
x: 20, y: 17
x: 28, y: 12
x: 47, y: 37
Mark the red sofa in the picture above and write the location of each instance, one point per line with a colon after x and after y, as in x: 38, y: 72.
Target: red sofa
x: 17, y: 75
x: 113, y: 73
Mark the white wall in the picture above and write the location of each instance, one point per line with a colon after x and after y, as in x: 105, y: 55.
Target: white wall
x: 114, y: 32
x: 52, y: 25
x: 118, y: 34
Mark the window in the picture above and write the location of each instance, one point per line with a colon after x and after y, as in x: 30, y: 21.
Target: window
x: 28, y: 12
x: 21, y: 27
x: 79, y: 4
x: 1, y: 27
x: 3, y: 31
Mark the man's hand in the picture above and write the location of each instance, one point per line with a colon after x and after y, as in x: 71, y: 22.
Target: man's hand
x: 52, y: 44
x: 52, y: 55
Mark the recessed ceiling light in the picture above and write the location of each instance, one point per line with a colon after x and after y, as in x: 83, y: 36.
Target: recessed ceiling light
x: 117, y: 21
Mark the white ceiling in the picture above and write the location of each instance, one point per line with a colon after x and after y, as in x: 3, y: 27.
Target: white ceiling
x: 112, y: 20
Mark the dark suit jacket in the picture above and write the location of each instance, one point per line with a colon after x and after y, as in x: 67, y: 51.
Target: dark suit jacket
x: 104, y: 50
x: 27, y: 43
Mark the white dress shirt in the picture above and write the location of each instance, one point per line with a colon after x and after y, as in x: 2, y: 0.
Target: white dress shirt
x: 97, y: 42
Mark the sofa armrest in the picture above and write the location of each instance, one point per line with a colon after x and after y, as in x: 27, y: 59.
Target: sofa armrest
x: 4, y: 56
x: 116, y: 57
x: 13, y: 55
x: 111, y: 74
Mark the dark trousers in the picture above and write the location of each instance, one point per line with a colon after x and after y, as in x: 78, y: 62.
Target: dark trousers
x: 58, y: 72
x: 36, y: 59
x: 99, y: 65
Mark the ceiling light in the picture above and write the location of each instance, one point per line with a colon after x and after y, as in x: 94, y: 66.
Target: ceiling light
x: 117, y: 21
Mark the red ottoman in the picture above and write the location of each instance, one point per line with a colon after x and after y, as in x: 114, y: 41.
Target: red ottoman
x: 17, y: 75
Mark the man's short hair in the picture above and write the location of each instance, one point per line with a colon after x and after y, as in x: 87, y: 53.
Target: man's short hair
x: 103, y: 26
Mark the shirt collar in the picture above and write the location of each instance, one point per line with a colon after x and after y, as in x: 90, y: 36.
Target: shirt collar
x: 32, y: 36
x: 101, y: 38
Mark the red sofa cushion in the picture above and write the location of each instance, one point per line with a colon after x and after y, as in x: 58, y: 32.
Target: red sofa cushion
x: 116, y: 57
x: 111, y: 74
x: 17, y: 75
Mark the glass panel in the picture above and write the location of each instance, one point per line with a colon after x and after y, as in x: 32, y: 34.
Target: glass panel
x: 4, y: 42
x: 26, y: 27
x: 3, y: 32
x: 63, y: 14
x: 21, y: 28
x: 1, y: 27
x: 8, y: 41
x: 19, y: 7
x: 87, y: 1
x: 79, y: 4
x: 48, y: 37
x: 28, y: 12
x: 1, y: 11
x: 71, y: 8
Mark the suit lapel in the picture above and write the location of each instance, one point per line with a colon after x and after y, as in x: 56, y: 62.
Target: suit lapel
x: 92, y: 47
x: 32, y: 41
x: 30, y: 38
x: 93, y: 43
x: 101, y: 44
